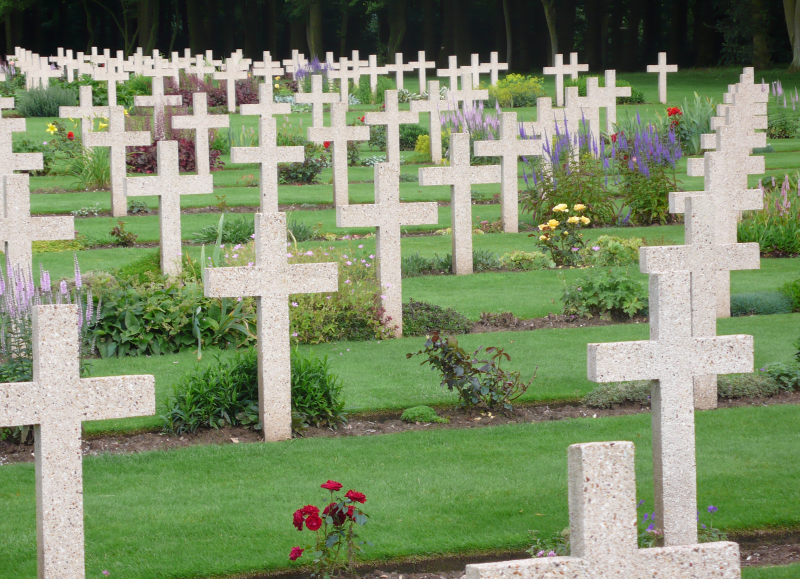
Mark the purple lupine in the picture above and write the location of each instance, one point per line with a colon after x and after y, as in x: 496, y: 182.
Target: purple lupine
x: 78, y: 283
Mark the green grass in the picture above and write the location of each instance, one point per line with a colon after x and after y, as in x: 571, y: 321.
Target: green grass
x: 781, y: 572
x: 218, y: 510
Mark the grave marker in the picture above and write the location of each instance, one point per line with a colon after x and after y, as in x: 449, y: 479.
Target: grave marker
x: 158, y: 100
x: 391, y: 117
x: 433, y: 105
x: 495, y: 67
x: 662, y: 68
x: 10, y: 161
x: 559, y: 70
x: 86, y: 112
x: 112, y: 72
x: 234, y: 70
x: 373, y: 70
x: 452, y: 72
x: 422, y: 65
x: 317, y: 99
x: 398, y: 68
x: 201, y: 122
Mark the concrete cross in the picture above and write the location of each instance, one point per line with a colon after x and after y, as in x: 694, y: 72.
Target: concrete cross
x: 452, y: 72
x: 606, y: 97
x: 392, y: 117
x: 295, y: 63
x: 460, y: 175
x: 158, y: 100
x: 662, y: 68
x: 388, y: 215
x: 545, y: 119
x: 136, y: 64
x: 266, y: 106
x: 495, y: 67
x: 330, y: 61
x: 467, y: 94
x: 267, y: 68
x: 559, y: 70
x: 56, y: 402
x: 271, y: 281
x: 398, y: 68
x: 181, y: 62
x: 338, y: 135
x: 603, y: 530
x: 475, y: 69
x: 65, y: 61
x: 268, y: 154
x: 86, y: 112
x: 18, y: 229
x: 39, y: 73
x: 99, y: 59
x: 201, y: 122
x: 201, y: 67
x: 344, y: 74
x: 111, y: 73
x: 169, y: 185
x: 373, y: 70
x: 117, y: 138
x: 672, y: 358
x: 317, y: 99
x: 422, y: 65
x: 582, y: 113
x: 433, y: 105
x: 234, y: 70
x: 356, y: 62
x: 509, y: 147
x: 9, y: 160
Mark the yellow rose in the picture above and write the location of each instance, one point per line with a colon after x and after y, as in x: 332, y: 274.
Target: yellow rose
x: 579, y: 207
x: 573, y: 219
x: 51, y: 128
x: 542, y: 238
x: 585, y: 220
x: 552, y: 224
x: 564, y: 232
x: 560, y: 207
x: 277, y: 78
x: 543, y: 226
x: 277, y: 85
x: 126, y: 112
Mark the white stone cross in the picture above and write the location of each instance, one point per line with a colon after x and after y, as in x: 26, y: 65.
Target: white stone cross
x: 338, y: 135
x: 392, y: 117
x: 452, y: 72
x: 268, y: 154
x: 672, y: 358
x: 582, y: 113
x: 158, y: 100
x: 433, y: 105
x: 559, y: 69
x: 603, y: 530
x: 267, y: 68
x: 475, y: 69
x: 271, y: 281
x: 317, y: 99
x: 117, y: 138
x: 467, y: 94
x: 234, y: 70
x: 10, y: 161
x: 169, y: 185
x: 210, y: 59
x: 495, y: 67
x: 40, y: 72
x: 65, y: 61
x: 398, y: 68
x: 86, y: 112
x: 509, y: 147
x: 18, y: 229
x: 373, y: 70
x: 111, y: 73
x: 422, y: 65
x: 266, y: 106
x: 606, y: 97
x: 356, y: 62
x: 344, y: 74
x: 201, y: 122
x: 545, y: 119
x: 56, y: 402
x: 460, y: 175
x: 136, y: 64
x: 330, y: 61
x: 294, y: 64
x: 201, y: 67
x: 387, y: 215
x: 662, y: 68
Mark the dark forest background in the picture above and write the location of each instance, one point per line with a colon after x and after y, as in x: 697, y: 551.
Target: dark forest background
x: 622, y: 34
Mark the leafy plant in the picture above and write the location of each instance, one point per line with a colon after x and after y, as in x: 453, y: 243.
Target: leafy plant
x: 93, y: 211
x: 612, y: 250
x: 782, y: 122
x: 422, y: 414
x: 421, y: 318
x: 777, y: 227
x: 363, y: 92
x: 306, y: 172
x: 760, y: 304
x: 786, y: 375
x: 234, y: 231
x: 121, y: 236
x: 409, y: 135
x: 605, y: 293
x: 145, y: 159
x: 792, y: 291
x: 563, y: 239
x: 526, y: 261
x: 316, y: 392
x: 137, y: 206
x: 689, y: 122
x: 45, y: 102
x: 515, y: 90
x: 91, y: 168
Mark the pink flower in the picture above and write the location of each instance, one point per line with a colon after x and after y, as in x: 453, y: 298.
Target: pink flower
x: 349, y: 262
x: 235, y: 255
x: 383, y: 297
x: 238, y: 299
x: 249, y: 264
x: 294, y: 305
x: 237, y: 246
x: 372, y: 257
x: 361, y: 246
x: 367, y: 265
x: 309, y: 252
x: 347, y: 281
x: 294, y: 334
x: 288, y: 255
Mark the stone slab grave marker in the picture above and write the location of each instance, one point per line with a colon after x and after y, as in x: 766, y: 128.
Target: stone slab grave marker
x: 606, y: 97
x: 662, y: 68
x: 18, y: 229
x: 56, y: 402
x: 422, y: 65
x: 495, y: 67
x: 509, y: 147
x: 398, y: 68
x: 271, y: 281
x: 9, y: 160
x: 391, y: 117
x: 317, y: 99
x: 117, y: 138
x: 460, y: 175
x: 672, y: 358
x: 201, y: 122
x: 387, y: 215
x: 234, y: 70
x: 268, y: 154
x: 169, y: 185
x: 338, y: 135
x: 559, y: 70
x: 86, y: 112
x: 201, y: 67
x: 157, y: 99
x: 111, y: 73
x: 603, y: 530
x: 373, y: 70
x: 452, y: 72
x: 267, y: 68
x: 434, y: 105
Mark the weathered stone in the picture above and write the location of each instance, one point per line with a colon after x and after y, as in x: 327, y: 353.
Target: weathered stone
x: 662, y: 68
x: 201, y: 122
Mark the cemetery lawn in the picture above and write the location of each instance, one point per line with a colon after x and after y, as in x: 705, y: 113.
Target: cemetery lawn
x: 218, y: 510
x: 782, y: 572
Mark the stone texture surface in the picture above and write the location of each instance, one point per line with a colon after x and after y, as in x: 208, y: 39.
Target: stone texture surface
x: 201, y: 67
x: 662, y: 68
x: 18, y: 228
x: 388, y: 215
x: 434, y: 105
x: 271, y: 280
x: 158, y: 100
x: 391, y: 117
x: 495, y: 67
x: 606, y: 97
x: 467, y: 94
x: 399, y: 68
x: 603, y: 530
x: 266, y: 106
x: 201, y: 122
x: 338, y: 135
x: 10, y: 161
x: 117, y: 138
x: 267, y: 67
x: 373, y: 71
x: 460, y: 175
x: 235, y: 69
x: 422, y: 65
x: 111, y: 73
x: 545, y: 119
x: 560, y: 70
x: 317, y: 99
x: 452, y: 72
x: 56, y: 402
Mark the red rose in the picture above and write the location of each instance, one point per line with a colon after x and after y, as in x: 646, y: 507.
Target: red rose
x: 614, y: 138
x: 296, y: 553
x: 338, y: 516
x: 71, y: 135
x: 313, y: 522
x: 297, y: 519
x: 309, y: 510
x: 327, y: 144
x: 356, y: 497
x: 331, y: 485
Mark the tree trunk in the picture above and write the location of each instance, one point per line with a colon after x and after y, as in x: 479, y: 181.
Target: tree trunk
x: 461, y: 41
x: 565, y: 24
x: 430, y: 26
x: 760, y: 46
x: 446, y: 50
x: 704, y: 34
x: 678, y: 31
x: 195, y: 25
x: 632, y: 35
x: 550, y: 17
x: 509, y: 33
x: 652, y: 32
x: 345, y: 9
x: 397, y: 27
x: 249, y: 18
x: 89, y: 27
x: 791, y: 10
x: 315, y: 30
x: 592, y: 49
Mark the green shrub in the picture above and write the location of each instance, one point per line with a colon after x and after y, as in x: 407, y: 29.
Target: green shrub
x: 760, y: 304
x: 422, y: 414
x: 316, y: 392
x: 300, y: 231
x: 776, y: 228
x: 782, y: 122
x: 364, y: 93
x: 526, y: 261
x: 236, y: 231
x: 306, y: 172
x: 691, y: 120
x: 44, y: 102
x: 484, y: 260
x: 787, y: 375
x: 421, y: 319
x: 611, y: 250
x: 605, y: 293
x: 618, y: 393
x: 91, y: 168
x: 377, y: 137
x: 515, y: 90
x: 636, y: 98
x: 25, y: 144
x: 136, y: 85
x: 409, y: 135
x: 746, y: 386
x: 141, y: 271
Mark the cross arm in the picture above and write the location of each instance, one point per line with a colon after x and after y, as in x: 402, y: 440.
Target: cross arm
x: 26, y: 161
x: 419, y: 213
x: 143, y: 186
x: 20, y: 404
x: 193, y: 184
x: 313, y: 278
x: 117, y: 397
x: 232, y: 282
x: 52, y: 228
x: 485, y: 174
x: 719, y: 560
x: 539, y: 568
x: 207, y: 122
x: 436, y: 176
x: 747, y: 200
x: 621, y: 361
x: 731, y: 354
x: 720, y: 257
x: 363, y: 215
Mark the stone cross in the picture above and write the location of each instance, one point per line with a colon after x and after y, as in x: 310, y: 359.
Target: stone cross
x: 158, y: 100
x: 475, y: 69
x: 201, y: 122
x: 582, y: 113
x: 18, y: 229
x: 672, y: 358
x: 9, y: 160
x: 509, y: 147
x: 433, y: 105
x: 234, y: 70
x: 460, y: 175
x: 398, y: 68
x: 271, y: 281
x: 266, y: 106
x: 200, y: 68
x: 603, y: 530
x: 56, y: 402
x: 66, y: 61
x: 606, y: 97
x: 111, y: 73
x: 545, y: 119
x: 86, y: 112
x: 169, y: 185
x: 559, y: 69
x: 344, y: 74
x: 373, y: 70
x: 40, y: 72
x: 387, y: 215
x: 267, y: 68
x: 392, y: 117
x: 452, y: 72
x: 268, y: 154
x: 210, y: 59
x: 338, y: 135
x: 422, y: 65
x: 662, y: 68
x: 317, y: 99
x: 467, y: 94
x: 330, y: 61
x: 117, y: 138
x: 294, y: 64
x: 356, y: 62
x: 136, y: 64
x: 495, y: 67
